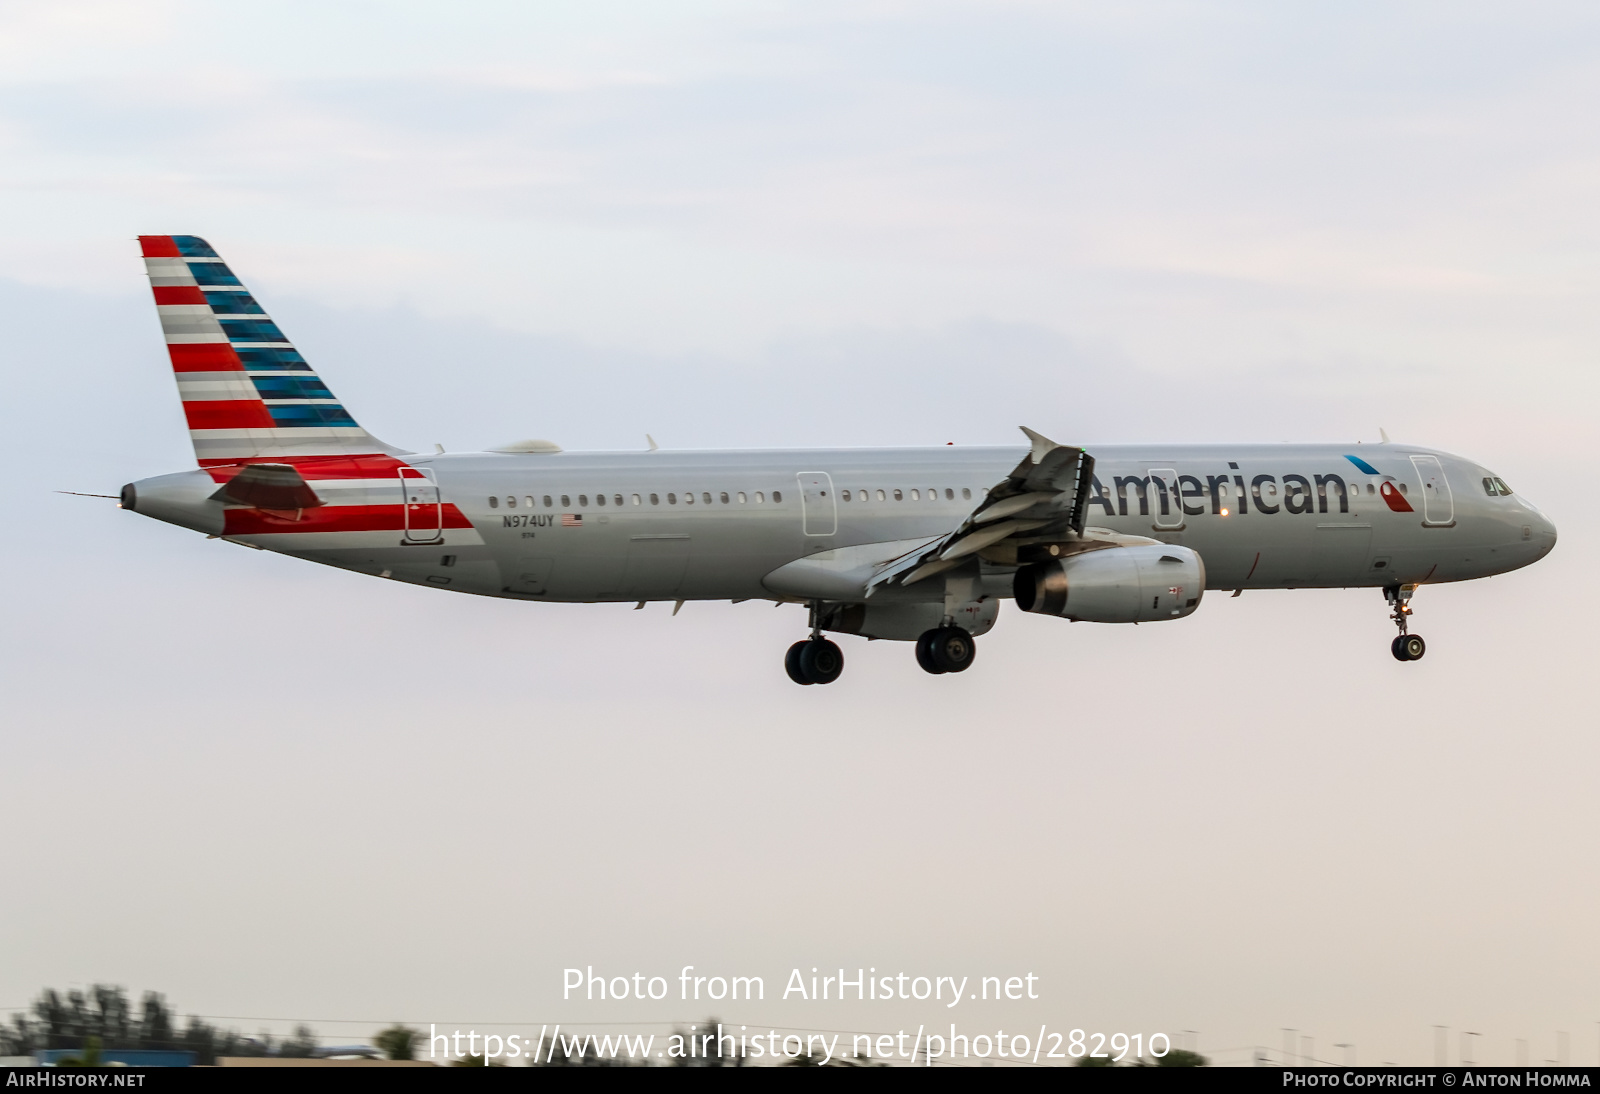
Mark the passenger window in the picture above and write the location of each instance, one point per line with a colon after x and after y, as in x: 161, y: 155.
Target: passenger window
x: 688, y: 498
x: 966, y: 493
x: 898, y: 496
x: 1403, y: 488
x: 599, y: 499
x: 916, y: 495
x: 637, y: 500
x: 845, y: 495
x: 547, y: 503
x: 724, y: 497
x: 494, y: 503
x: 655, y: 499
x: 776, y: 497
x: 949, y: 494
x: 529, y: 500
x: 511, y: 502
x: 566, y: 501
x: 880, y: 495
x: 583, y: 501
x: 672, y: 499
x: 760, y: 497
x: 706, y: 497
x: 1371, y: 489
x: 741, y: 497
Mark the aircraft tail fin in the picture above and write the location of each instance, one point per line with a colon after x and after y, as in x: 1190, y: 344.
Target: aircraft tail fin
x: 247, y: 393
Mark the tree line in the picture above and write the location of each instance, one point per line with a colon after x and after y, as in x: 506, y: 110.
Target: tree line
x: 103, y: 1016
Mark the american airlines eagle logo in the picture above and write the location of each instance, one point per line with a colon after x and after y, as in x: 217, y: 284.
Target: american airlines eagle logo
x: 1394, y: 499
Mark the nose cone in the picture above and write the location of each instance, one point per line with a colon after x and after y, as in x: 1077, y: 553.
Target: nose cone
x: 1544, y: 533
x: 1538, y: 530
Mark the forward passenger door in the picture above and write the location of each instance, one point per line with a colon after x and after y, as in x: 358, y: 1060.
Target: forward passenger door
x: 1438, y: 506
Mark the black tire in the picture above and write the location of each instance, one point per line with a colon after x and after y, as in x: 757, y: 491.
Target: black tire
x: 821, y: 661
x: 794, y: 663
x: 1414, y: 647
x: 1398, y: 649
x: 925, y: 652
x: 953, y: 649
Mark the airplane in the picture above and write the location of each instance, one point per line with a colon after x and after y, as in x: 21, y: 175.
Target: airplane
x: 904, y: 544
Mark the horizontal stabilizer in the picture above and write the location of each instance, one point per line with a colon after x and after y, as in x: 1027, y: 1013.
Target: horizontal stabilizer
x: 268, y: 486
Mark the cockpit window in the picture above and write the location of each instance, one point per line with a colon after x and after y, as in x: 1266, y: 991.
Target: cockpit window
x: 1496, y: 487
x: 1504, y: 489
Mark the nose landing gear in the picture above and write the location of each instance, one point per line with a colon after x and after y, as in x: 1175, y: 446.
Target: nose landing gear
x: 814, y: 660
x: 1405, y: 647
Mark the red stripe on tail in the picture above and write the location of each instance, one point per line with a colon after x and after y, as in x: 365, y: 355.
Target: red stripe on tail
x: 228, y: 414
x: 205, y: 357
x: 312, y: 467
x: 158, y: 247
x: 179, y: 294
x: 332, y: 518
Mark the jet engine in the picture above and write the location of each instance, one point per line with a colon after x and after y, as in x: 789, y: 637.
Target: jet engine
x: 1115, y: 585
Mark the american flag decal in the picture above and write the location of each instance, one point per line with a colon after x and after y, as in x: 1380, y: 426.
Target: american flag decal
x: 572, y: 520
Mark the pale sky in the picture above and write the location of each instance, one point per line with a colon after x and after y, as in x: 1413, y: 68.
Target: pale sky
x: 272, y: 790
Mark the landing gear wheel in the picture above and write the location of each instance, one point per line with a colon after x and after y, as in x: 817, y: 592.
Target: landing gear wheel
x: 821, y: 660
x: 792, y: 663
x: 925, y: 652
x: 951, y: 649
x: 1408, y: 647
x: 814, y: 661
x: 1405, y: 647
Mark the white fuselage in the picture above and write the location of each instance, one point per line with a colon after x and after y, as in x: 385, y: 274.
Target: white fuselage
x: 663, y: 540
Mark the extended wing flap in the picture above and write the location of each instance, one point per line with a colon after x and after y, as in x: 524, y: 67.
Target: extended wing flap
x: 1048, y: 492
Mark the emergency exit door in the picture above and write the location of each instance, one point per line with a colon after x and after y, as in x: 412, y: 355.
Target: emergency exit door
x: 819, y: 508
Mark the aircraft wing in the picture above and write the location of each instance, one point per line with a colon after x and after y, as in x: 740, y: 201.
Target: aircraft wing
x: 1044, y: 496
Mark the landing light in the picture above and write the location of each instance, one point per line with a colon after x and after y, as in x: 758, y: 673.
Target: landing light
x: 1224, y: 512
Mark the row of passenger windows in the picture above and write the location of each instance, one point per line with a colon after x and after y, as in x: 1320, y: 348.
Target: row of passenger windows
x: 1324, y: 489
x: 900, y: 495
x: 707, y: 498
x: 688, y: 498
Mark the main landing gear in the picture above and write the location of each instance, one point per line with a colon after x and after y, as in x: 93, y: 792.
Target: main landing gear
x: 814, y: 660
x: 946, y: 649
x: 1405, y: 647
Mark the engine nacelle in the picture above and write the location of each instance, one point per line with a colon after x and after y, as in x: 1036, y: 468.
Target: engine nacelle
x: 1115, y: 585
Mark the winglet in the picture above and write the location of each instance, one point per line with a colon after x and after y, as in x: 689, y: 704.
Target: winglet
x: 1042, y: 445
x: 1384, y: 434
x: 653, y: 446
